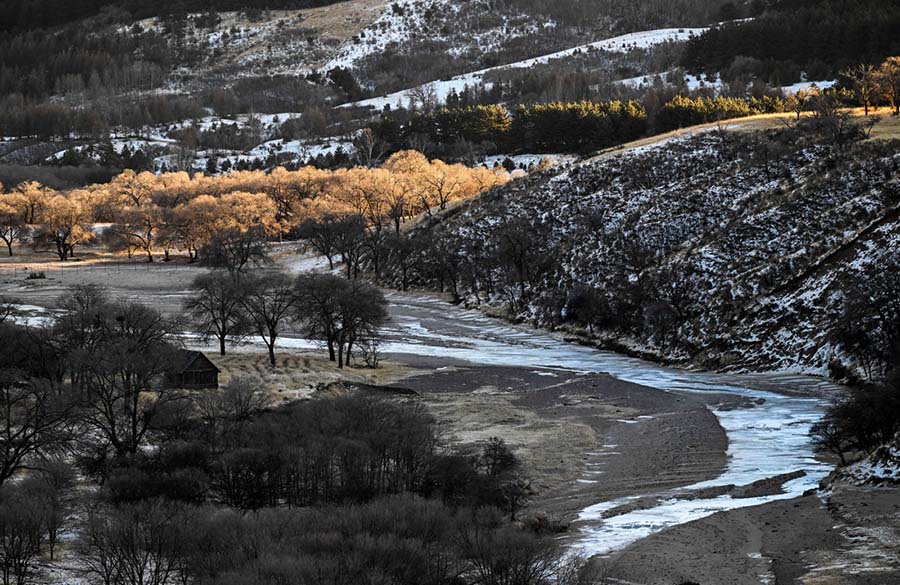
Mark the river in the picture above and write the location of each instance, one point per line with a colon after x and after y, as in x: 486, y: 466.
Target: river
x: 767, y: 433
x: 768, y: 436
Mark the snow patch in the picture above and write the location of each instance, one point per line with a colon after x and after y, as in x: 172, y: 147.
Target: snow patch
x: 442, y: 88
x: 881, y: 467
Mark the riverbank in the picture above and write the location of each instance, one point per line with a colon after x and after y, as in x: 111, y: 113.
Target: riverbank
x: 849, y: 535
x: 589, y: 437
x: 584, y: 437
x: 621, y: 498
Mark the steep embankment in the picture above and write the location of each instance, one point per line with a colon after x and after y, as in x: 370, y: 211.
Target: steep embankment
x: 727, y: 249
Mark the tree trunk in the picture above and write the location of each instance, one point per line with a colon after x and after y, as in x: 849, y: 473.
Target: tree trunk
x: 272, y: 353
x: 222, y: 345
x: 9, y: 247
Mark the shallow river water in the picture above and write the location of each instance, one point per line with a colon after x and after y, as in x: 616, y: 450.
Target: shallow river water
x: 767, y: 439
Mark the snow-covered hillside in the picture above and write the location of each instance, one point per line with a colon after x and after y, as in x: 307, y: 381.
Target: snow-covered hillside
x: 730, y: 249
x: 442, y: 88
x: 277, y: 42
x: 162, y: 146
x: 405, y: 21
x: 467, y: 27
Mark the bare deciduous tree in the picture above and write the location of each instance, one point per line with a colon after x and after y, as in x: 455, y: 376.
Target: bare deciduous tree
x: 22, y: 534
x: 888, y: 76
x: 217, y: 309
x: 35, y: 421
x: 342, y: 314
x: 138, y: 544
x: 865, y: 81
x: 269, y: 301
x: 367, y: 148
x: 121, y: 358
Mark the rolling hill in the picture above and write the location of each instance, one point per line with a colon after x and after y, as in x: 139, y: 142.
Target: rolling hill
x: 724, y: 247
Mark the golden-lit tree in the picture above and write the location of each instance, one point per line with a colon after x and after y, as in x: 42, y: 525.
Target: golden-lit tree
x: 288, y: 189
x: 64, y: 225
x: 888, y: 76
x: 244, y: 222
x: 36, y: 197
x: 242, y: 211
x: 13, y: 228
x: 407, y: 162
x: 407, y: 169
x: 152, y: 213
x: 194, y: 222
x: 442, y: 183
x: 173, y: 189
x: 133, y: 189
x: 865, y: 82
x: 138, y: 227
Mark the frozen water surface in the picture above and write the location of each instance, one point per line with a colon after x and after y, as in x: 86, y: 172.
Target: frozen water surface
x: 767, y: 438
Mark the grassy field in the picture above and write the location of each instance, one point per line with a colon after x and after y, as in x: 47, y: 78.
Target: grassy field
x: 161, y: 285
x: 299, y: 374
x: 165, y: 286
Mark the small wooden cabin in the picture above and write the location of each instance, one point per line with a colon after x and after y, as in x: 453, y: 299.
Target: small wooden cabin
x: 194, y: 371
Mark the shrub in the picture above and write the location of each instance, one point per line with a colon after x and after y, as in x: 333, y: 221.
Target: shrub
x: 860, y: 422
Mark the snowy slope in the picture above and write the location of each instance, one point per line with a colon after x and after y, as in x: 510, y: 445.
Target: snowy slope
x: 621, y: 44
x: 396, y: 24
x: 276, y: 42
x: 467, y: 27
x: 745, y: 256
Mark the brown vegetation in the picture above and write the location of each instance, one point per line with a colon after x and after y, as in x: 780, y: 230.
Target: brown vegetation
x: 151, y: 213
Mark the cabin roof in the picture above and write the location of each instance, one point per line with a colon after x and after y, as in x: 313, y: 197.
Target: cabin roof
x: 194, y: 360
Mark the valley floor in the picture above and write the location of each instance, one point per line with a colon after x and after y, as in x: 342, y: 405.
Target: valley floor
x: 584, y: 436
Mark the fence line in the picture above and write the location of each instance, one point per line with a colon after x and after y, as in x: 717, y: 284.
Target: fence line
x: 23, y: 271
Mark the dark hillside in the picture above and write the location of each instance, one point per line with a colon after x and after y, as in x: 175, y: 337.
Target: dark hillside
x: 722, y: 248
x: 818, y: 37
x: 17, y: 15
